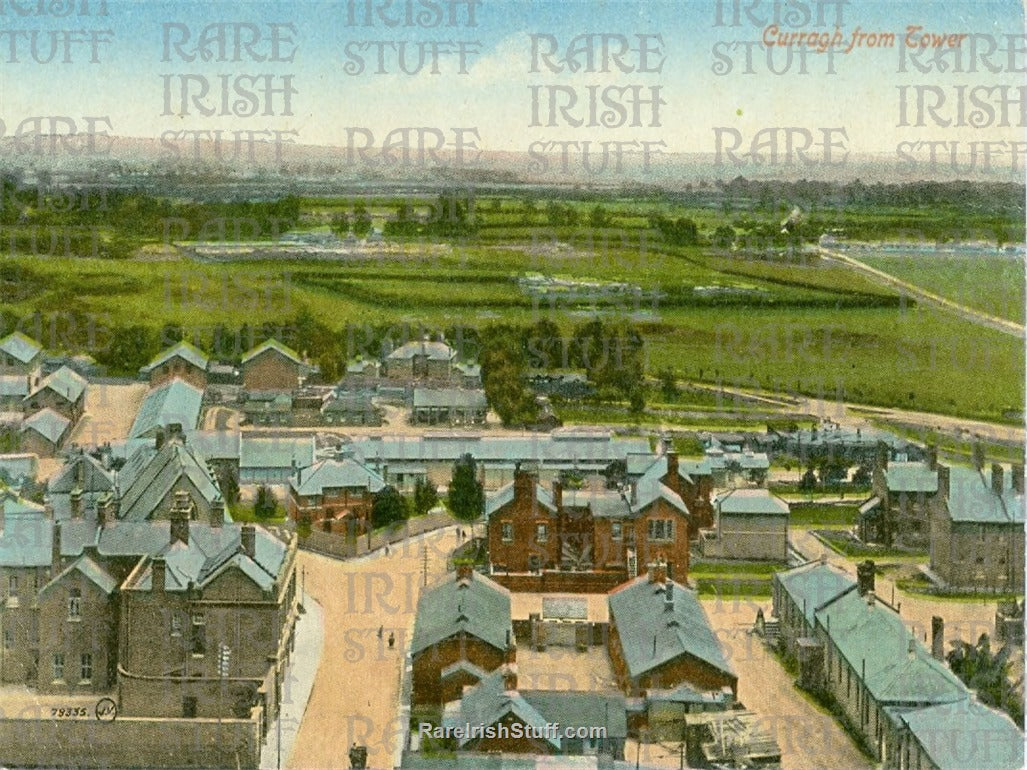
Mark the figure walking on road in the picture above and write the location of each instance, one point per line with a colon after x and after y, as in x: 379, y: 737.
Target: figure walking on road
x: 392, y: 640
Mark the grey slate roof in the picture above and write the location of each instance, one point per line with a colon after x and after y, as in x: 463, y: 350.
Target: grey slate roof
x: 489, y: 701
x: 14, y: 386
x: 449, y: 398
x: 20, y: 346
x: 877, y: 636
x: 751, y: 502
x: 479, y: 606
x: 581, y: 709
x: 47, y: 423
x: 813, y: 585
x: 14, y: 467
x: 214, y: 444
x: 66, y: 383
x: 150, y: 484
x: 335, y: 474
x: 638, y: 610
x: 610, y: 503
x: 505, y: 495
x: 94, y: 477
x: 972, y: 499
x: 985, y: 739
x: 276, y: 346
x: 174, y: 402
x: 911, y: 477
x: 183, y: 350
x: 278, y: 452
x: 90, y: 569
x: 27, y: 538
x: 434, y: 351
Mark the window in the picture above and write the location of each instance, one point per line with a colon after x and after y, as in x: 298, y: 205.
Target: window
x: 74, y: 604
x: 507, y: 532
x: 8, y: 640
x: 661, y: 529
x: 541, y: 533
x: 176, y: 624
x: 199, y: 637
x: 616, y: 530
x: 12, y: 585
x: 87, y: 667
x: 58, y: 665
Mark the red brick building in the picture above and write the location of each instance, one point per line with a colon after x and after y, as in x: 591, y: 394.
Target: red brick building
x: 334, y: 495
x: 184, y: 361
x: 272, y: 366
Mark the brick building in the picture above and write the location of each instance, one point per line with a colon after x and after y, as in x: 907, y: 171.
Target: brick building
x: 64, y: 392
x: 660, y: 638
x: 21, y: 356
x: 691, y: 479
x: 899, y: 512
x: 750, y: 524
x: 273, y: 366
x: 44, y: 433
x: 334, y: 495
x: 463, y: 631
x: 182, y: 361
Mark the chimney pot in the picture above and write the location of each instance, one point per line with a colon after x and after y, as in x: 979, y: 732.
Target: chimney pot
x: 76, y: 503
x: 996, y: 478
x: 938, y: 638
x: 932, y: 456
x: 248, y: 539
x: 658, y: 572
x: 557, y: 494
x: 510, y: 677
x: 158, y: 572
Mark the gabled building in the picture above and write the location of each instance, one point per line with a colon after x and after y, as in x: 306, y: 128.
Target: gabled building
x: 78, y: 486
x: 273, y: 460
x: 273, y: 366
x: 661, y: 638
x: 20, y: 355
x: 463, y: 629
x: 977, y: 528
x: 899, y: 512
x: 799, y: 593
x: 449, y: 406
x: 153, y: 478
x: 182, y: 361
x: 419, y: 361
x: 750, y: 524
x: 175, y: 403
x: 523, y: 530
x: 44, y: 433
x: 349, y: 409
x: 692, y: 479
x: 334, y: 495
x: 64, y: 391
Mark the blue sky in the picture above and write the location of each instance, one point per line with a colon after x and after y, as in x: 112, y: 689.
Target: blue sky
x: 494, y: 95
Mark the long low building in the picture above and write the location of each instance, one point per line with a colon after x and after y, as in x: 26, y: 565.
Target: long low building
x: 174, y: 403
x: 402, y: 460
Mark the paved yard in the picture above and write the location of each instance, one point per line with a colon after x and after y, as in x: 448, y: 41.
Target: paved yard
x: 110, y: 410
x: 356, y: 693
x: 564, y: 668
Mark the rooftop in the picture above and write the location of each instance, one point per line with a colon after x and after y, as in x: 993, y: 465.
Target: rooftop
x: 433, y: 350
x: 445, y: 398
x: 65, y: 382
x: 20, y: 346
x: 48, y: 423
x: 277, y: 452
x: 972, y: 498
x: 175, y: 402
x: 752, y: 501
x: 277, y: 347
x: 335, y: 474
x: 813, y: 585
x: 477, y: 606
x: 911, y: 477
x: 183, y: 350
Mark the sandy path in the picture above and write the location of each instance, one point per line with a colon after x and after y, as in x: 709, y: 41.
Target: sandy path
x: 110, y: 411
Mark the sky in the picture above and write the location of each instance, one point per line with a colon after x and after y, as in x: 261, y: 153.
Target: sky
x: 713, y: 82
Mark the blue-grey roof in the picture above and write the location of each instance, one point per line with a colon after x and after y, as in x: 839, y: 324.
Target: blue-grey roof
x: 12, y: 504
x: 18, y: 467
x: 489, y: 701
x: 335, y: 474
x: 174, y: 402
x: 898, y: 668
x: 434, y: 351
x: 49, y: 424
x: 747, y: 461
x: 14, y: 385
x: 612, y: 503
x: 639, y: 612
x: 277, y: 452
x: 277, y: 347
x: 66, y: 383
x: 972, y: 499
x: 965, y: 734
x: 503, y: 496
x: 26, y: 540
x: 813, y: 585
x: 90, y: 569
x: 445, y: 398
x: 751, y: 502
x: 20, y: 346
x: 214, y: 444
x: 479, y: 607
x: 911, y: 477
x: 82, y: 471
x: 149, y: 485
x: 183, y: 350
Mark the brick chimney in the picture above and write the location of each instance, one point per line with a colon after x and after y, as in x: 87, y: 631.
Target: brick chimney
x: 865, y: 577
x: 248, y: 540
x: 978, y: 455
x: 76, y: 503
x: 217, y: 513
x: 158, y: 572
x: 105, y: 509
x: 511, y: 647
x: 932, y: 456
x: 510, y: 677
x: 158, y: 438
x: 938, y: 638
x: 658, y: 572
x: 996, y: 478
x: 668, y: 597
x: 881, y: 459
x: 180, y: 515
x: 943, y: 480
x: 557, y: 494
x: 464, y: 571
x: 1016, y: 472
x: 55, y: 550
x: 672, y: 463
x: 523, y: 481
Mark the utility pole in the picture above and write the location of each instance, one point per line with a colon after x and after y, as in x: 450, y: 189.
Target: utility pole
x: 424, y: 563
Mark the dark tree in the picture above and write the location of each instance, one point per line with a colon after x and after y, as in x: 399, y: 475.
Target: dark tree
x: 265, y: 506
x: 388, y: 507
x: 426, y: 496
x: 466, y: 494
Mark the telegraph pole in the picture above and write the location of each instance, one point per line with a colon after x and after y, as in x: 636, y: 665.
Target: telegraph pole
x: 424, y: 563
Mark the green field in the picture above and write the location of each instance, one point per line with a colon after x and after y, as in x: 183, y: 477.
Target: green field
x: 993, y: 284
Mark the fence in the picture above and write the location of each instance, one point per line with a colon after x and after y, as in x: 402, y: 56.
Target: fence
x: 343, y: 546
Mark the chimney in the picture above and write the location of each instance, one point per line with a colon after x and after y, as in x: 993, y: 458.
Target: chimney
x: 911, y: 647
x: 657, y: 572
x: 80, y: 470
x: 557, y: 495
x: 522, y: 484
x: 871, y: 598
x: 48, y: 507
x: 464, y: 571
x: 938, y: 638
x: 175, y: 432
x: 865, y: 577
x: 978, y: 455
x: 932, y: 456
x: 511, y: 647
x: 996, y: 478
x: 882, y: 455
x: 672, y: 463
x: 180, y: 512
x: 158, y: 438
x: 1017, y: 477
x: 105, y: 509
x: 76, y: 503
x: 158, y: 573
x: 217, y: 513
x: 55, y: 550
x: 510, y: 677
x: 668, y: 597
x: 943, y: 480
x: 248, y: 539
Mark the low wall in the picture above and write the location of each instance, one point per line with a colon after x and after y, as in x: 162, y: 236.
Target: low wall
x: 560, y: 582
x: 130, y: 742
x: 343, y: 547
